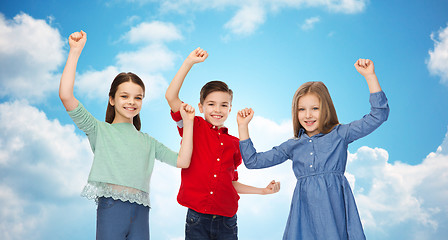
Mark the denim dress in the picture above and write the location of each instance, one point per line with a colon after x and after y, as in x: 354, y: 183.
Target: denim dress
x: 323, y: 206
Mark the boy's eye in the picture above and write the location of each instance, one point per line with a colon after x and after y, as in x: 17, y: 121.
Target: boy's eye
x: 315, y: 108
x: 138, y: 98
x: 301, y: 109
x: 124, y: 96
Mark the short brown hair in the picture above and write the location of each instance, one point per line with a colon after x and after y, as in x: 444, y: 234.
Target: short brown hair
x: 214, y: 86
x: 119, y: 79
x: 328, y: 116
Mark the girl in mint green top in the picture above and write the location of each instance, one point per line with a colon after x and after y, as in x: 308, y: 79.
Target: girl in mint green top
x: 123, y: 156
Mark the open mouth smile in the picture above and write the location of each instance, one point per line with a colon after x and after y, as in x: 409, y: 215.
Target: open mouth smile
x: 216, y: 116
x: 310, y: 123
x: 130, y: 108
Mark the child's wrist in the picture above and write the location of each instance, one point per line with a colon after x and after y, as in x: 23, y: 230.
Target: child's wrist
x: 75, y: 52
x: 370, y: 76
x: 189, y: 62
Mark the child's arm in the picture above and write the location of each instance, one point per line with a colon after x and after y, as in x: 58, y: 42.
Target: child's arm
x: 186, y: 147
x: 243, y: 118
x: 172, y: 93
x: 366, y: 68
x: 379, y: 108
x: 273, y: 187
x: 77, y: 40
x: 252, y: 159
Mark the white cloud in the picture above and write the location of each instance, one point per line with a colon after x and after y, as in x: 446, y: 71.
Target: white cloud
x: 150, y: 32
x: 30, y: 53
x: 248, y: 18
x: 397, y: 195
x: 251, y: 14
x: 438, y: 57
x: 46, y: 164
x: 95, y: 84
x: 148, y: 62
x: 338, y: 6
x: 153, y: 58
x: 309, y: 23
x: 14, y: 223
x: 43, y: 149
x: 345, y: 6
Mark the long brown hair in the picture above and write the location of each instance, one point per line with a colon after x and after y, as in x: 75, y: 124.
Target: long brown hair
x: 119, y: 79
x: 328, y: 116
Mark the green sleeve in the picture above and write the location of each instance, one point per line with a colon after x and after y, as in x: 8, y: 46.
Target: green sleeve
x: 164, y: 154
x: 85, y: 122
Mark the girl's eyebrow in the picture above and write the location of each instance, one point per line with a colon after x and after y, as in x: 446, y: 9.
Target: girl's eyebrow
x: 124, y: 92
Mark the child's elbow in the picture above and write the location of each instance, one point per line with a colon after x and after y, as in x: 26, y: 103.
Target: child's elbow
x: 181, y: 164
x: 169, y: 97
x: 64, y: 98
x: 250, y: 164
x: 184, y: 166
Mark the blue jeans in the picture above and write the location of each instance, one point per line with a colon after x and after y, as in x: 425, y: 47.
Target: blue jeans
x: 117, y: 220
x: 200, y: 226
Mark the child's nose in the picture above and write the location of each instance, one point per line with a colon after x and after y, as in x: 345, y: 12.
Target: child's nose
x: 308, y: 114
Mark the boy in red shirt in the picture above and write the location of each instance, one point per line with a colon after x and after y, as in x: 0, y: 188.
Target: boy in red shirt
x: 210, y: 187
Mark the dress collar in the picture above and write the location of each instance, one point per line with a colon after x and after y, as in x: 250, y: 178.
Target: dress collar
x: 302, y: 132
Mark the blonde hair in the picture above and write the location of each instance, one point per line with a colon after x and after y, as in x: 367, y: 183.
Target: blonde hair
x: 328, y: 116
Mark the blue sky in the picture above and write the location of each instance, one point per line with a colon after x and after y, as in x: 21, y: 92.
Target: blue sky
x: 264, y: 50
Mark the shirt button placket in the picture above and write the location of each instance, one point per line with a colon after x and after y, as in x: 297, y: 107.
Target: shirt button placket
x: 311, y: 155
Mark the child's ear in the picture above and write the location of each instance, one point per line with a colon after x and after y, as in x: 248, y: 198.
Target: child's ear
x: 111, y: 101
x: 200, y: 108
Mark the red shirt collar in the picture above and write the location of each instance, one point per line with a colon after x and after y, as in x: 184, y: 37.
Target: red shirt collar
x: 220, y: 130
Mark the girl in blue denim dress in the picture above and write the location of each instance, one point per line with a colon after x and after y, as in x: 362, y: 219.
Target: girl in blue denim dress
x: 323, y: 206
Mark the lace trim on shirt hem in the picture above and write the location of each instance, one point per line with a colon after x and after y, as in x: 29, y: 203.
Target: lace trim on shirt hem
x: 95, y: 190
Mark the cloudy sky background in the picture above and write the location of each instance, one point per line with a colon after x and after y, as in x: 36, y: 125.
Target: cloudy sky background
x: 264, y: 50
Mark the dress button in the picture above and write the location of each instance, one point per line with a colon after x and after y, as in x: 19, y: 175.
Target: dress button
x: 222, y: 144
x: 211, y: 192
x: 311, y: 140
x: 311, y: 165
x: 218, y: 159
x: 311, y: 153
x: 214, y: 175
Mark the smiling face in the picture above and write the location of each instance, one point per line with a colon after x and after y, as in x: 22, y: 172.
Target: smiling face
x: 127, y: 102
x: 216, y: 108
x: 309, y: 113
